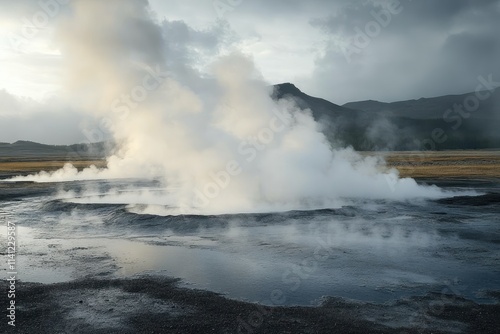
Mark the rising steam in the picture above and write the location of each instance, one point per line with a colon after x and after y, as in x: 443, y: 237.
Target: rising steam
x: 217, y: 142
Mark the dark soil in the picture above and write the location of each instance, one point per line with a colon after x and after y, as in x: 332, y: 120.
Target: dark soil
x: 158, y: 305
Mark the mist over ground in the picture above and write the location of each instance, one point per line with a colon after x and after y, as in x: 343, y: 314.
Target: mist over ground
x: 219, y: 143
x: 208, y: 198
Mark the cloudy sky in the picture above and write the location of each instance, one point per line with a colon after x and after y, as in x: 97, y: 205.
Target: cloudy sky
x: 339, y: 50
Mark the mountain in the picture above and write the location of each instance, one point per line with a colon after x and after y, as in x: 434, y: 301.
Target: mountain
x: 319, y: 107
x: 437, y: 123
x: 433, y: 108
x: 424, y: 124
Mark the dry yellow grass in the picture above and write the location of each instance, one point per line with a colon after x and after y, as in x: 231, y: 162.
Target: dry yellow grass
x: 445, y: 164
x: 451, y: 171
x: 36, y: 166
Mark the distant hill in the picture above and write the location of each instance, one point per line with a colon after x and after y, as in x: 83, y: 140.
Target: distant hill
x: 28, y: 150
x: 430, y: 108
x: 420, y: 124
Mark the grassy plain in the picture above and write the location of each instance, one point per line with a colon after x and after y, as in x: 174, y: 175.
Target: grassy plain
x: 446, y: 164
x: 9, y: 168
x: 427, y: 164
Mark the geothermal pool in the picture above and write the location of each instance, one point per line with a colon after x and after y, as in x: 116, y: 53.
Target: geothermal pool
x: 368, y: 250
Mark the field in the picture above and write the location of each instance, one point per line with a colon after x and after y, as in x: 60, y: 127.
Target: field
x: 14, y: 166
x: 446, y: 164
x: 427, y: 164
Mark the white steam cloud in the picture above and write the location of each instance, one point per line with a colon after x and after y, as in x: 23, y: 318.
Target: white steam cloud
x: 219, y: 143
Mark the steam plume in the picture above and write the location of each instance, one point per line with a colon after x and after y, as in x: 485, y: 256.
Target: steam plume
x: 219, y: 143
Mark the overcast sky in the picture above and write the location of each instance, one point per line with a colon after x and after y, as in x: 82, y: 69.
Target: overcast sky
x: 339, y: 50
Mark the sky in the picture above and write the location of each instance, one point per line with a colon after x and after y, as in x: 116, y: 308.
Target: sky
x: 342, y: 51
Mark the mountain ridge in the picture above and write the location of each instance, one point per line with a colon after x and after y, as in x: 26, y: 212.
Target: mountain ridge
x: 405, y: 125
x: 367, y: 125
x: 432, y: 106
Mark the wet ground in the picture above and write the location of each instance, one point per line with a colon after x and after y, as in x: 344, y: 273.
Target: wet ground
x: 369, y: 266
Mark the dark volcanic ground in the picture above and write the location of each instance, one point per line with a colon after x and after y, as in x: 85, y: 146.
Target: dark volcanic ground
x: 157, y: 305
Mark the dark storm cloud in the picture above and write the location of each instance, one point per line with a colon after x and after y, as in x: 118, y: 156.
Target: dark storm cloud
x: 342, y: 17
x: 186, y: 45
x: 429, y: 48
x: 444, y: 12
x: 189, y: 50
x: 279, y: 8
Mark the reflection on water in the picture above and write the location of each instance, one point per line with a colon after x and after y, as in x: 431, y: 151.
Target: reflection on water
x: 369, y: 250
